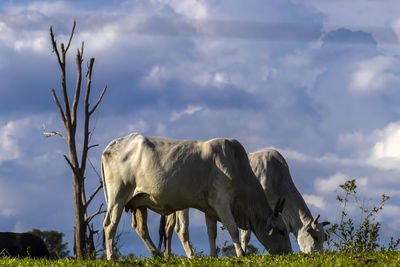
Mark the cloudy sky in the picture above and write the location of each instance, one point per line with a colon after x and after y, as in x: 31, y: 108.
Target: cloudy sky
x: 317, y: 80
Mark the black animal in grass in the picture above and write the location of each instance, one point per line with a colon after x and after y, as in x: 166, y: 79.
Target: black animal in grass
x: 22, y: 245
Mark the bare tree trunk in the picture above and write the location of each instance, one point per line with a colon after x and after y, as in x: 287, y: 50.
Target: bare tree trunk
x: 78, y: 166
x: 80, y: 231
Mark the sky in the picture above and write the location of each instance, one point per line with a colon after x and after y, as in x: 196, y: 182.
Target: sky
x: 317, y: 80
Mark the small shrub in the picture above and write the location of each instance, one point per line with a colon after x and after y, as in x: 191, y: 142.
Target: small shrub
x: 348, y: 237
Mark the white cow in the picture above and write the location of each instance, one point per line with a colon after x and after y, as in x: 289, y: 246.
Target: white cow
x: 167, y: 175
x: 272, y: 171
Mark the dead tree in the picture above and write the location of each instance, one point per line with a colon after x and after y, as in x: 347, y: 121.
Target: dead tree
x: 69, y: 115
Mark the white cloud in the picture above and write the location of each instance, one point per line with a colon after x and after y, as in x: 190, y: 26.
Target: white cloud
x: 315, y: 201
x: 18, y: 136
x: 327, y: 158
x: 379, y: 148
x: 330, y: 184
x: 298, y: 68
x: 99, y: 39
x: 220, y: 78
x: 358, y: 15
x: 385, y: 154
x: 36, y: 41
x: 190, y: 110
x: 6, y: 34
x: 193, y: 9
x: 157, y: 75
x: 295, y: 155
x: 22, y: 28
x: 41, y: 7
x: 353, y: 141
x: 9, y: 133
x: 373, y: 74
x: 396, y: 28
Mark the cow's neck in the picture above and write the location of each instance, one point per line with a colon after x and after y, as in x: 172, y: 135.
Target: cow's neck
x: 296, y: 215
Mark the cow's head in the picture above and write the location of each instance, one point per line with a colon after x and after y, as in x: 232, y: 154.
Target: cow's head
x: 311, y: 237
x: 277, y: 239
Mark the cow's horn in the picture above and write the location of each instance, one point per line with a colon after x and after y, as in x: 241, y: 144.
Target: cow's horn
x: 315, y: 221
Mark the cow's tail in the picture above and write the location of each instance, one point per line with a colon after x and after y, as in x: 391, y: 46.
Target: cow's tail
x: 161, y: 232
x: 103, y: 180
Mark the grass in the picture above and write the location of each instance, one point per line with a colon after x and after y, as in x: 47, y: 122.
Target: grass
x: 377, y: 258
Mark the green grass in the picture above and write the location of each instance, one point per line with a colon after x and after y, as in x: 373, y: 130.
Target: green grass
x: 378, y: 258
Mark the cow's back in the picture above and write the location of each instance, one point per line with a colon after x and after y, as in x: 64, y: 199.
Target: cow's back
x: 272, y: 171
x: 173, y: 172
x: 177, y: 172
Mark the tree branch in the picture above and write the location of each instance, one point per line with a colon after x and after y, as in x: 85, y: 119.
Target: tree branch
x: 75, y: 103
x: 93, y: 195
x: 70, y: 164
x: 94, y: 215
x: 92, y: 146
x: 87, y: 116
x: 70, y: 38
x: 94, y: 169
x: 54, y: 43
x: 99, y: 100
x: 53, y: 92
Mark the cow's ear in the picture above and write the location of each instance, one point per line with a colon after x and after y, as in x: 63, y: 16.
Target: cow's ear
x: 325, y: 223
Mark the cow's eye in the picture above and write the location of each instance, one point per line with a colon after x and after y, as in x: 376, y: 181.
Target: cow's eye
x: 282, y: 232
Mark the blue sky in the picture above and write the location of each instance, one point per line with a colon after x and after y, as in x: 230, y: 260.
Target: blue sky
x: 317, y: 80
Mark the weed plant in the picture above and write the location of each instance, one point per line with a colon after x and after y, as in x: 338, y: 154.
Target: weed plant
x: 349, y: 237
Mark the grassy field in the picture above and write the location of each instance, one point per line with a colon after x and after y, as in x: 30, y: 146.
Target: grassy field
x: 386, y: 258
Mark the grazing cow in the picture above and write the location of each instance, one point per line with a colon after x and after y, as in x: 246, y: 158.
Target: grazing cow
x: 167, y: 175
x: 22, y: 245
x: 272, y: 171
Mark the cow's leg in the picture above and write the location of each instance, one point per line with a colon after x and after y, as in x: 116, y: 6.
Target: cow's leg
x: 245, y: 236
x: 224, y: 213
x: 182, y: 229
x: 169, y: 231
x: 211, y: 224
x: 139, y: 223
x: 110, y: 224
